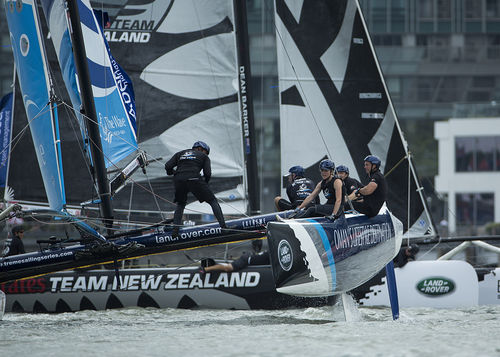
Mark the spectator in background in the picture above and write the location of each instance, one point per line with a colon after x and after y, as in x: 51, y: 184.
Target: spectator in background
x: 14, y: 245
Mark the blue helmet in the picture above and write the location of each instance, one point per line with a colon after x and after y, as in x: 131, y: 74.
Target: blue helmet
x: 297, y: 170
x: 374, y: 160
x: 326, y: 165
x: 201, y: 144
x: 343, y: 168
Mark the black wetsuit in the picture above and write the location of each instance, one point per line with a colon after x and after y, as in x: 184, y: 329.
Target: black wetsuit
x: 371, y: 204
x: 254, y: 259
x: 13, y: 246
x: 402, y: 258
x: 297, y: 192
x: 351, y: 185
x: 187, y: 178
x: 328, y: 189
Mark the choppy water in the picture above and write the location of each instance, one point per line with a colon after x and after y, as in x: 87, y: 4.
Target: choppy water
x: 307, y: 332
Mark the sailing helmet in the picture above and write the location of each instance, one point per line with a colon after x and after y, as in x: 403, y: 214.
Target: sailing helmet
x: 326, y: 165
x: 343, y: 168
x: 374, y: 160
x: 201, y: 144
x: 297, y: 170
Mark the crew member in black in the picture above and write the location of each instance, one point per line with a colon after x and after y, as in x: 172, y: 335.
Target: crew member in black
x: 298, y: 188
x: 405, y: 255
x: 370, y: 198
x: 332, y: 188
x: 351, y: 184
x: 256, y: 258
x: 14, y: 245
x: 187, y: 178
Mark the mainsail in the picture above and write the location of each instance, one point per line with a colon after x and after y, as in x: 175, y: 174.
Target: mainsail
x: 334, y: 102
x: 181, y: 56
x: 34, y: 81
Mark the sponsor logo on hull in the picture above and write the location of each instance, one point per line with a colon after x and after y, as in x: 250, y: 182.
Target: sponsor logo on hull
x: 131, y: 282
x: 285, y: 255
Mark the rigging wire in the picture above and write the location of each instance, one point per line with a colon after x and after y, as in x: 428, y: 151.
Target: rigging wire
x: 131, y: 179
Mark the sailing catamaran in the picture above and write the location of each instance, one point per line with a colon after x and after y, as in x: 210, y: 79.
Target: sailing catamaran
x: 217, y: 113
x: 310, y: 257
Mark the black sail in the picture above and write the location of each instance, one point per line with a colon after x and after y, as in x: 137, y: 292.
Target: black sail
x: 334, y: 101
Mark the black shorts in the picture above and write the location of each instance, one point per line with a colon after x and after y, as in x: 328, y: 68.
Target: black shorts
x: 254, y: 259
x: 284, y: 205
x: 363, y: 207
x: 241, y: 262
x: 199, y: 188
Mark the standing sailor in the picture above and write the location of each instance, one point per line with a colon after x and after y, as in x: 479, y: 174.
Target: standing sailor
x: 332, y: 188
x: 187, y: 178
x: 298, y: 188
x: 370, y: 198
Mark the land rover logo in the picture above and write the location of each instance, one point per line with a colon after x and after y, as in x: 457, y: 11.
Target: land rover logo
x: 285, y: 255
x: 435, y: 286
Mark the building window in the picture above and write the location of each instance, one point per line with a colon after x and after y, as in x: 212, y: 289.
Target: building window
x: 387, y: 40
x: 497, y: 154
x: 464, y: 154
x: 474, y: 209
x: 444, y: 9
x: 485, y: 153
x: 477, y: 154
x: 473, y: 9
x: 426, y: 87
x: 492, y: 9
x: 398, y: 15
x: 426, y: 9
x: 379, y: 15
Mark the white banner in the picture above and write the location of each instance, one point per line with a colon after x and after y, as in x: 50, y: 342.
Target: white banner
x: 437, y: 284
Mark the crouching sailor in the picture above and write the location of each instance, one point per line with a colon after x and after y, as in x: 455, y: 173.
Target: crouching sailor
x: 332, y: 188
x: 370, y: 198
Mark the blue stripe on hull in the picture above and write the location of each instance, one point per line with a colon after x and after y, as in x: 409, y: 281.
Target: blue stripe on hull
x: 328, y: 250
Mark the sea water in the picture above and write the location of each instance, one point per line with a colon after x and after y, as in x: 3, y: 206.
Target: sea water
x: 303, y: 332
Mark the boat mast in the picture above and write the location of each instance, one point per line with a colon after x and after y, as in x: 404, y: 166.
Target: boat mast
x: 246, y: 104
x: 89, y: 114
